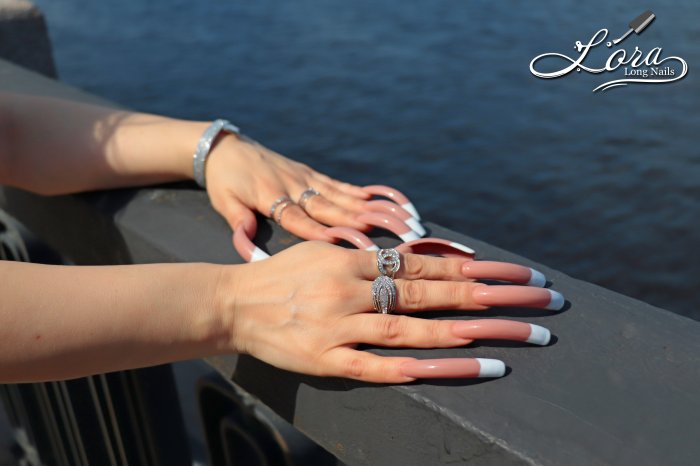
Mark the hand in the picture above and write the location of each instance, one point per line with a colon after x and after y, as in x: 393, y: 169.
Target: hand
x: 308, y: 307
x: 243, y: 176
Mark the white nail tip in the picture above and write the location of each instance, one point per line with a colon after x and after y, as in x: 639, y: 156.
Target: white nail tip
x: 539, y: 335
x: 491, y: 367
x: 258, y: 255
x: 409, y: 236
x: 463, y: 248
x: 556, y: 301
x: 374, y: 247
x: 415, y: 225
x: 537, y: 278
x: 411, y: 210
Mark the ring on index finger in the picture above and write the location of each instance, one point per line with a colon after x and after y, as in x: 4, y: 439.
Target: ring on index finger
x: 388, y: 262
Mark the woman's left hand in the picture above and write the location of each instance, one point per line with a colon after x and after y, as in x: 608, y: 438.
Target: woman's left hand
x: 244, y: 176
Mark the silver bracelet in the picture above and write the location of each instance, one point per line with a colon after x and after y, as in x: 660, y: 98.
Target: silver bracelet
x: 204, y: 146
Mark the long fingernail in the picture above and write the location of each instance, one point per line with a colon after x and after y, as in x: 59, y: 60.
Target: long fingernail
x: 395, y: 195
x: 356, y: 238
x: 453, y: 368
x: 245, y: 247
x: 518, y: 296
x: 537, y: 278
x: 415, y: 225
x: 391, y: 208
x: 411, y: 209
x: 501, y: 329
x: 489, y: 270
x: 391, y: 223
x: 462, y: 247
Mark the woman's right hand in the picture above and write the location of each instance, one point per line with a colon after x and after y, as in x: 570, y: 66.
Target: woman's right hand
x: 307, y: 308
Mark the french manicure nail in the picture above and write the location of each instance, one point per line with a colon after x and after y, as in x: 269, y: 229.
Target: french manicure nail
x: 391, y: 223
x: 537, y: 278
x: 503, y: 271
x: 395, y: 195
x: 518, y: 296
x: 453, y: 368
x: 415, y: 225
x: 501, y: 329
x: 245, y: 247
x: 391, y: 208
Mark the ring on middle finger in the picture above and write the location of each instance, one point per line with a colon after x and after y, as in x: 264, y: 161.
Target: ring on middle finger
x: 384, y: 294
x: 388, y: 262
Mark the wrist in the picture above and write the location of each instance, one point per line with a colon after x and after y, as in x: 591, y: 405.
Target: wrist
x: 225, y: 300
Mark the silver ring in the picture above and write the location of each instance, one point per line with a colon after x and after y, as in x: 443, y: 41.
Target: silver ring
x: 388, y: 262
x: 384, y: 294
x: 278, y: 207
x: 306, y: 195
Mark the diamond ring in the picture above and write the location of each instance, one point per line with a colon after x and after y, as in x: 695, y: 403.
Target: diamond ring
x: 388, y: 262
x: 384, y: 294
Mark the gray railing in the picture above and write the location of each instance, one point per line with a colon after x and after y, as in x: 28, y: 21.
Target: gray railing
x: 618, y: 385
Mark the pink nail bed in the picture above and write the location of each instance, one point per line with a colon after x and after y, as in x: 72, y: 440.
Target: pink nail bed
x: 453, y: 368
x: 391, y: 223
x: 245, y: 247
x: 501, y: 329
x: 518, y: 296
x: 438, y: 246
x: 357, y: 238
x: 503, y: 271
x: 395, y: 195
x: 387, y: 207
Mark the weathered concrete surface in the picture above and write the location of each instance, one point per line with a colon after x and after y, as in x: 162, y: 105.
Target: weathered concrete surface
x: 24, y: 38
x: 618, y: 386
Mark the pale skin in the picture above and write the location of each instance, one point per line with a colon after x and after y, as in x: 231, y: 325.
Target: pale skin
x: 305, y: 309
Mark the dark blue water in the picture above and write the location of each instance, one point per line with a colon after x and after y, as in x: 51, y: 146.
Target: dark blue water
x: 436, y: 98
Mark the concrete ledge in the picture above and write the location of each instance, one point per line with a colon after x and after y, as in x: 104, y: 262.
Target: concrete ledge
x: 24, y: 38
x: 617, y: 386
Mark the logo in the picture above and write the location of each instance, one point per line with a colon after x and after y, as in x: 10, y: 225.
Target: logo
x: 637, y: 67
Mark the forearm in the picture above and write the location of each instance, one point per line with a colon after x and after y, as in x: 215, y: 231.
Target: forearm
x: 59, y: 322
x: 54, y: 146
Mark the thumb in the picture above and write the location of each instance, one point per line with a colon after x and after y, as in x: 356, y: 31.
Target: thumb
x: 238, y: 215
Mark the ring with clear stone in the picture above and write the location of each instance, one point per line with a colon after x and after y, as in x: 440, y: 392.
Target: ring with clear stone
x: 306, y: 195
x: 388, y: 262
x: 278, y: 207
x: 384, y: 294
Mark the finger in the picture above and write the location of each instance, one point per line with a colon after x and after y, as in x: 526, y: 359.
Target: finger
x: 414, y: 266
x: 294, y: 220
x: 352, y: 236
x: 246, y: 248
x: 343, y: 187
x: 404, y: 331
x: 416, y: 295
x: 391, y: 223
x: 395, y: 195
x: 503, y: 271
x: 352, y: 203
x: 437, y: 246
x: 368, y: 367
x: 391, y: 208
x: 325, y: 211
x: 237, y: 214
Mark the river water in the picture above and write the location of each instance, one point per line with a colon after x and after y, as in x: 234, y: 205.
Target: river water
x: 436, y: 98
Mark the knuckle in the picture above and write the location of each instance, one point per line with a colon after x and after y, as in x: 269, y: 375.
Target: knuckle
x: 413, y: 265
x: 392, y: 328
x: 413, y: 293
x: 354, y: 368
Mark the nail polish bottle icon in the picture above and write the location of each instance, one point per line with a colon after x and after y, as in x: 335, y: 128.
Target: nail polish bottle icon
x: 637, y: 25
